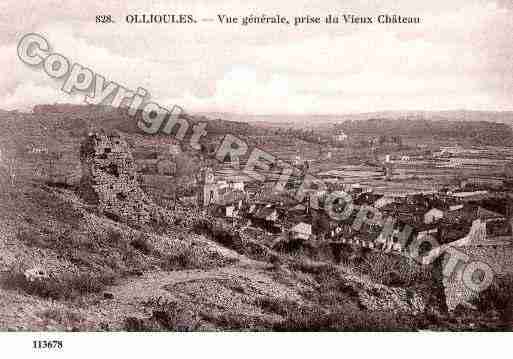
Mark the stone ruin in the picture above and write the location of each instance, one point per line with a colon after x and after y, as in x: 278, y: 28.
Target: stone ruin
x: 109, y: 180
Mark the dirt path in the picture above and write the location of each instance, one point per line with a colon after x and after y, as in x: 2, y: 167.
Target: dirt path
x: 231, y: 289
x: 151, y: 284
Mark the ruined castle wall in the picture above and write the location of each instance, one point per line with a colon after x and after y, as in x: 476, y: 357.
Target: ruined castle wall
x: 110, y: 172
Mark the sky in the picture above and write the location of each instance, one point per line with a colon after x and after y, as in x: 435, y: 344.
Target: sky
x: 459, y: 57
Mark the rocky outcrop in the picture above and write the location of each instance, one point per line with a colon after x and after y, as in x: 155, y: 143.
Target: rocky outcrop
x: 379, y: 297
x: 474, y: 269
x: 391, y: 300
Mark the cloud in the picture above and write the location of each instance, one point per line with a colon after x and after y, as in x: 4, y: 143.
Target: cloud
x: 458, y: 57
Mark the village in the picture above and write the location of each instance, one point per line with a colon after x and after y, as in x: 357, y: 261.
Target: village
x: 448, y: 213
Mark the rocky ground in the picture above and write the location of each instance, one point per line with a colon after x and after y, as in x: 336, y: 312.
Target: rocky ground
x: 67, y: 267
x: 96, y: 276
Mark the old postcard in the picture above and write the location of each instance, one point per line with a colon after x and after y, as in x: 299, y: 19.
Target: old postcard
x: 263, y: 166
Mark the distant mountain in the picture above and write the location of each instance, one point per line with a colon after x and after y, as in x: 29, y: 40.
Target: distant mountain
x: 320, y: 119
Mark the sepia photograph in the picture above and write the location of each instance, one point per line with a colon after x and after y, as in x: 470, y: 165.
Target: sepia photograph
x: 255, y: 167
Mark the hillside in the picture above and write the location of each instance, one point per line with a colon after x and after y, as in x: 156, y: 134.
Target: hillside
x: 67, y: 266
x: 479, y: 132
x: 129, y: 261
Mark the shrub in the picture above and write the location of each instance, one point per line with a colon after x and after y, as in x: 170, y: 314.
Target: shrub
x: 237, y: 321
x: 168, y: 316
x: 395, y: 271
x: 65, y: 317
x: 499, y: 297
x: 314, y: 268
x: 233, y: 240
x: 282, y: 307
x: 313, y: 319
x: 115, y: 236
x: 65, y: 287
x: 143, y: 245
x: 32, y: 238
x: 177, y: 261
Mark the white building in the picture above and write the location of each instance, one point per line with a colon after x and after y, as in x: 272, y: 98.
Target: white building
x: 433, y: 215
x: 301, y: 230
x: 340, y: 136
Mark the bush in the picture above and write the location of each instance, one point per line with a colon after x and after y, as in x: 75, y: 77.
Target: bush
x: 499, y: 297
x: 237, y: 321
x: 32, y: 238
x: 395, y: 271
x: 65, y: 317
x: 65, y: 287
x: 168, y: 316
x: 178, y: 261
x: 313, y: 319
x: 94, y: 250
x: 314, y: 268
x: 233, y: 240
x: 282, y: 307
x: 143, y: 245
x: 115, y: 236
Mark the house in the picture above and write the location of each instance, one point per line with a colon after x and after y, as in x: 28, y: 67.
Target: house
x: 267, y: 213
x: 489, y: 227
x: 174, y: 149
x: 367, y: 199
x: 237, y: 186
x: 388, y: 170
x: 298, y: 208
x: 38, y: 150
x: 429, y: 230
x: 441, y: 207
x: 166, y: 167
x: 474, y: 224
x: 340, y: 136
x: 301, y: 230
x: 189, y: 200
x: 315, y: 198
x: 265, y: 217
x: 470, y: 196
x: 410, y: 214
x: 390, y: 241
x: 433, y: 215
x: 455, y: 207
x: 228, y: 196
x: 482, y: 183
x: 384, y: 201
x: 233, y: 210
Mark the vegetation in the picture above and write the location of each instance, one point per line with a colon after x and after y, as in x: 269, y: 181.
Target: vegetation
x: 65, y: 287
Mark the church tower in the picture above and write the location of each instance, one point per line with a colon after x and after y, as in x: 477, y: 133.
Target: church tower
x: 207, y: 189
